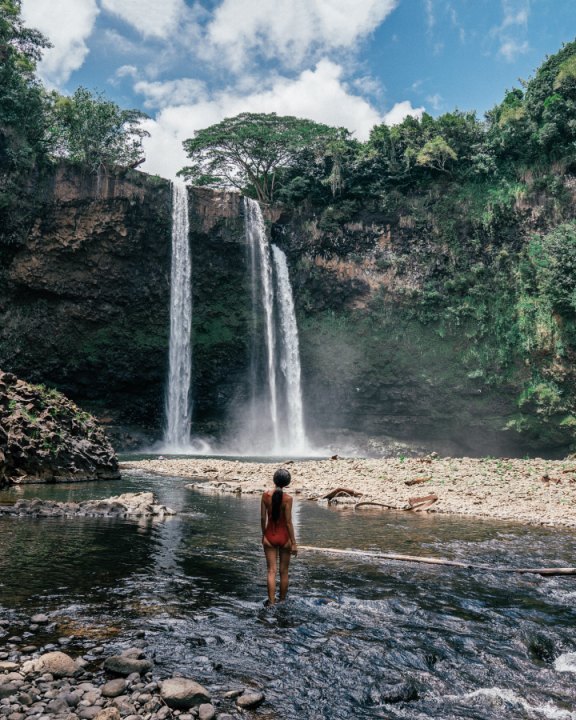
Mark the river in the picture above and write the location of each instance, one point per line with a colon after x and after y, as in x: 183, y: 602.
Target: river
x: 357, y: 638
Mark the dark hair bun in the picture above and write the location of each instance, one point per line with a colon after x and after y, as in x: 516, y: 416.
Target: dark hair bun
x: 282, y: 478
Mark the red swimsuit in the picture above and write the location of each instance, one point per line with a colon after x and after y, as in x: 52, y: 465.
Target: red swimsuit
x: 276, y: 532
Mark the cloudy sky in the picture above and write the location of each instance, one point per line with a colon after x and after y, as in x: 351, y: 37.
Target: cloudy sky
x: 190, y: 63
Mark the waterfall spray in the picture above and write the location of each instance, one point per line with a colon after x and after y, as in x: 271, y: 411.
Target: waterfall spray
x: 178, y: 401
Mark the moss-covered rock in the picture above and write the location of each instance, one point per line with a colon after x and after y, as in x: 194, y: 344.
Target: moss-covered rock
x: 44, y: 437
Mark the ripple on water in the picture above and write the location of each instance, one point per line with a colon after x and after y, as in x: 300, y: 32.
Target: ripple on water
x: 358, y: 637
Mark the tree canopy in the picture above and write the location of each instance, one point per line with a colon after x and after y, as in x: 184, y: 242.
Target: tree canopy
x: 88, y: 129
x: 253, y: 149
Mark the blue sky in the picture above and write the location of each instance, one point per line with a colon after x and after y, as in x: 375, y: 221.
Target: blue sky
x: 190, y: 63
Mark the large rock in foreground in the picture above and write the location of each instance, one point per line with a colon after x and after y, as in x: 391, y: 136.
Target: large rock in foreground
x: 44, y: 437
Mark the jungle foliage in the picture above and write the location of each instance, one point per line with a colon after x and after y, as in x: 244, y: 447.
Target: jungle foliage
x: 38, y: 127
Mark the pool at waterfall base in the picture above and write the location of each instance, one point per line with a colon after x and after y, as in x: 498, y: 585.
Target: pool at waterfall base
x: 358, y: 637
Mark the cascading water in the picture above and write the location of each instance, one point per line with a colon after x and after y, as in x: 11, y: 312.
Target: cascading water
x: 178, y: 401
x: 275, y: 421
x: 290, y: 358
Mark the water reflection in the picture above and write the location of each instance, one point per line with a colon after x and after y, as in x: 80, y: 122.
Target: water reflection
x: 358, y: 636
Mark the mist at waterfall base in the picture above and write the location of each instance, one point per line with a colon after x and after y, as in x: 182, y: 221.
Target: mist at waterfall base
x: 269, y: 418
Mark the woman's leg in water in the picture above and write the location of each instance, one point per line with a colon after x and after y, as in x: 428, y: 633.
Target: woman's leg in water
x: 271, y: 553
x: 285, y: 554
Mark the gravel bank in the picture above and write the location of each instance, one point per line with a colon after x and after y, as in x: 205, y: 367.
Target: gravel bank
x: 540, y: 492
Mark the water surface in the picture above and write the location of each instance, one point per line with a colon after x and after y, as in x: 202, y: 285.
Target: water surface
x: 358, y: 637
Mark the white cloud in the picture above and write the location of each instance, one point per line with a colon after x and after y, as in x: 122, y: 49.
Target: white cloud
x: 435, y: 101
x: 318, y: 94
x: 289, y: 30
x: 151, y: 18
x: 512, y: 30
x: 510, y: 49
x: 126, y: 71
x: 516, y: 12
x: 67, y: 24
x: 163, y: 94
x: 430, y: 18
x: 400, y: 111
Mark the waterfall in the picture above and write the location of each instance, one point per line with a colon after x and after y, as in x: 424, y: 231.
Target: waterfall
x: 274, y: 423
x: 290, y: 358
x: 178, y: 401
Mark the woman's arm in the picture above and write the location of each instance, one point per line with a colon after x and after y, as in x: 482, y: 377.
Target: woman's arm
x: 263, y: 515
x: 288, y: 513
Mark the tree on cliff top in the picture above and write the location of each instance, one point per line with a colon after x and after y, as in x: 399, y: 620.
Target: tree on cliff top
x: 21, y: 99
x: 88, y: 129
x: 254, y: 149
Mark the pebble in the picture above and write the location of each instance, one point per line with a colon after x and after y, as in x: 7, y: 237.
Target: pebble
x: 48, y: 684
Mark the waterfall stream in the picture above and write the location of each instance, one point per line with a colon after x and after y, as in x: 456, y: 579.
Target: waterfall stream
x: 290, y: 357
x: 274, y: 423
x: 178, y: 401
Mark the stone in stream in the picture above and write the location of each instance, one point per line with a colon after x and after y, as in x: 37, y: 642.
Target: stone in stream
x: 206, y: 711
x: 113, y: 688
x: 108, y: 714
x: 122, y: 665
x: 56, y: 663
x: 183, y: 693
x: 6, y: 665
x: 39, y: 619
x: 8, y: 689
x: 250, y: 700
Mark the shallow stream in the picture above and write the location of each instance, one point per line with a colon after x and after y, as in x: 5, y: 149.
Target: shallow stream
x: 358, y: 637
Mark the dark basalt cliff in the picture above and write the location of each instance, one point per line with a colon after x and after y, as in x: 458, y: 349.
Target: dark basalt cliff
x: 84, y: 307
x: 85, y: 294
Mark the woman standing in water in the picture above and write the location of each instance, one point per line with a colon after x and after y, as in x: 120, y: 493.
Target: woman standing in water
x: 277, y: 533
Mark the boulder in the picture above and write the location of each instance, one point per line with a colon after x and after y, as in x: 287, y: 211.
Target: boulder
x: 56, y: 663
x: 44, y: 437
x: 206, y: 711
x: 113, y: 688
x: 110, y: 713
x: 121, y: 665
x: 183, y: 693
x: 250, y: 700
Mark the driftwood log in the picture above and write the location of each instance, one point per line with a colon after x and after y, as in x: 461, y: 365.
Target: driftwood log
x: 341, y: 491
x: 373, y: 503
x: 440, y: 561
x: 421, y: 503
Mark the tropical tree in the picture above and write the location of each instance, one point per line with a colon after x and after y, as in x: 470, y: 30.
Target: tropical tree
x: 88, y: 129
x: 254, y: 149
x: 22, y: 120
x: 21, y: 106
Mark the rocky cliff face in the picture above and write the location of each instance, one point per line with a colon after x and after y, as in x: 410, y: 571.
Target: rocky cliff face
x: 85, y: 295
x: 84, y: 307
x: 84, y: 298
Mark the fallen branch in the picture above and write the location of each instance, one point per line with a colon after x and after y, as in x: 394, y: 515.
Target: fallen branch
x: 417, y: 504
x: 341, y: 491
x: 417, y: 481
x: 376, y: 504
x: 440, y: 561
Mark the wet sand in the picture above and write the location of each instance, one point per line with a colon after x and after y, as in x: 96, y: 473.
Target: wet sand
x: 539, y: 492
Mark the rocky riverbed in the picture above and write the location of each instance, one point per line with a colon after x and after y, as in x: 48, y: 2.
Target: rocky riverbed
x: 74, y: 678
x: 540, y: 492
x: 127, y: 505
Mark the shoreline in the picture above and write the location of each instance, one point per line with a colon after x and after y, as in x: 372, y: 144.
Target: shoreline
x: 535, y: 492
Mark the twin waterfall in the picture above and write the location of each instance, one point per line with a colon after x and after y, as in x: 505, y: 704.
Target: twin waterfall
x: 275, y: 421
x: 271, y: 421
